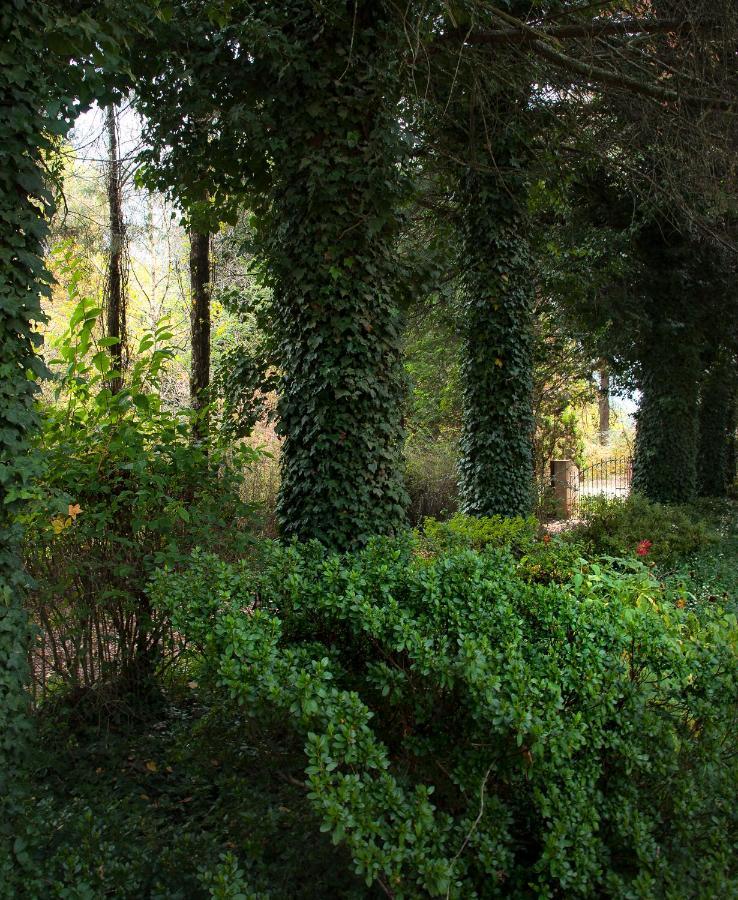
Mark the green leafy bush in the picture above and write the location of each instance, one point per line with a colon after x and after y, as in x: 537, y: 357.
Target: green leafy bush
x: 517, y: 533
x: 123, y: 490
x: 540, y: 556
x: 148, y: 808
x: 660, y: 534
x: 551, y: 560
x: 470, y: 733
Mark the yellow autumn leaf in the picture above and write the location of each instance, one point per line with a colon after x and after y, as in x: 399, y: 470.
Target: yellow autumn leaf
x: 59, y: 523
x: 152, y: 766
x: 498, y: 362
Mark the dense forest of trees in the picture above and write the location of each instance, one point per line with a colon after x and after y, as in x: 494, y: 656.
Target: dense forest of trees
x: 424, y: 241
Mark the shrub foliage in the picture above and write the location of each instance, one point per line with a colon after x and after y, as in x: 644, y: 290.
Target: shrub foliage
x: 124, y: 489
x: 471, y: 731
x: 636, y: 526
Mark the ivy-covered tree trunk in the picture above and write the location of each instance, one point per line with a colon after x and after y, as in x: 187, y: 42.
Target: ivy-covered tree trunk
x: 665, y: 463
x: 716, y: 462
x: 496, y: 464
x: 23, y: 279
x: 330, y: 244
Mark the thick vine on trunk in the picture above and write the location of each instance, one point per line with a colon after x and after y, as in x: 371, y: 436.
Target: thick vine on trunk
x: 665, y: 464
x: 24, y: 206
x: 330, y: 241
x: 716, y: 466
x: 496, y: 465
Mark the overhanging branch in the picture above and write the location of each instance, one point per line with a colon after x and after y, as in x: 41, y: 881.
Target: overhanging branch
x: 540, y: 42
x: 595, y: 29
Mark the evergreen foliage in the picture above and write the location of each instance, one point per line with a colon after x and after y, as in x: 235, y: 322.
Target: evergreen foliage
x: 665, y: 462
x: 30, y: 114
x: 330, y: 247
x: 484, y: 712
x: 669, y: 347
x: 662, y: 534
x: 23, y: 81
x: 42, y: 92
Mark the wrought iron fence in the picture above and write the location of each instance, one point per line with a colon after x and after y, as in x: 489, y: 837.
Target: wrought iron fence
x: 609, y: 478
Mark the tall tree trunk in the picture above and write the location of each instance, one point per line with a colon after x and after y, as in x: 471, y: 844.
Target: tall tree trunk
x: 603, y: 403
x: 331, y: 248
x: 116, y: 304
x: 496, y: 464
x: 200, y: 327
x: 716, y: 463
x: 665, y: 464
x: 670, y: 353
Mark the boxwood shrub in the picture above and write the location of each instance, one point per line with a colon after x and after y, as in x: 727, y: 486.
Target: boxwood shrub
x: 470, y: 731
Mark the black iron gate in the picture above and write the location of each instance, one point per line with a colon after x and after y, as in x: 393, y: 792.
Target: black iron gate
x: 609, y: 478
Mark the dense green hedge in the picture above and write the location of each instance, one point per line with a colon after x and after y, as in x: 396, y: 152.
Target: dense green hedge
x: 471, y: 730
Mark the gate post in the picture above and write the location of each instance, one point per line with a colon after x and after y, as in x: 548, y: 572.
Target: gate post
x: 564, y: 485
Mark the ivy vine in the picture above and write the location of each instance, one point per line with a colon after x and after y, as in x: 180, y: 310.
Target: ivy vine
x: 665, y: 463
x: 496, y: 464
x: 51, y: 66
x: 24, y: 201
x: 669, y: 353
x: 329, y: 241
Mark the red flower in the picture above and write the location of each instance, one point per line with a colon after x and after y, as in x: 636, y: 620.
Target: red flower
x: 643, y: 548
x: 546, y: 538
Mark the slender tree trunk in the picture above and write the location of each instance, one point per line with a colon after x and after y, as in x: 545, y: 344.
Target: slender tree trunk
x: 116, y: 306
x: 200, y: 327
x: 603, y: 404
